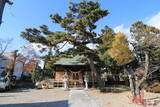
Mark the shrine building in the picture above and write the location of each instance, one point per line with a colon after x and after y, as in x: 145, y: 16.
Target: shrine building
x: 75, y: 70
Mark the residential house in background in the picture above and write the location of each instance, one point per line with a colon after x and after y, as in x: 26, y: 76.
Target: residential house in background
x: 18, y: 67
x: 17, y: 64
x: 23, y: 66
x: 7, y: 62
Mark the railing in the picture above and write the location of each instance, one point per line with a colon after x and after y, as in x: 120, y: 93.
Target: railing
x: 58, y: 84
x: 75, y: 83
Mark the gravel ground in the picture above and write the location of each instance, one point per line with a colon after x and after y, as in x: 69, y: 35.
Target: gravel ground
x: 34, y: 98
x: 46, y: 98
x: 118, y: 99
x: 72, y: 98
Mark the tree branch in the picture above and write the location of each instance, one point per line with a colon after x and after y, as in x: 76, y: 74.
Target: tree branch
x: 9, y: 2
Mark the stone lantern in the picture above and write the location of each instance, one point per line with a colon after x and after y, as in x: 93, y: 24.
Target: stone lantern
x: 65, y: 79
x: 86, y: 80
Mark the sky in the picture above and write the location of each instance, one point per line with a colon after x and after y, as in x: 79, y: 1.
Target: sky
x: 33, y: 13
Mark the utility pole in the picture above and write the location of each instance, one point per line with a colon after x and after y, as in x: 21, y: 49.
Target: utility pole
x: 2, y: 5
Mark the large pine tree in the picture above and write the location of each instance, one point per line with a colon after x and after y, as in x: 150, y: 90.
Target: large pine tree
x: 79, y: 24
x: 146, y: 47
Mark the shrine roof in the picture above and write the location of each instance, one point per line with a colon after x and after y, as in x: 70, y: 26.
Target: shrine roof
x: 77, y: 60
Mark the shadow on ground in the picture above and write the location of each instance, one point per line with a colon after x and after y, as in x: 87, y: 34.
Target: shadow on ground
x: 154, y: 101
x: 16, y: 90
x: 39, y: 104
x: 7, y: 96
x: 113, y: 90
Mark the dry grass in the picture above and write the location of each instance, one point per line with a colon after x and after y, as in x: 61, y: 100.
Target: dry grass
x: 122, y: 99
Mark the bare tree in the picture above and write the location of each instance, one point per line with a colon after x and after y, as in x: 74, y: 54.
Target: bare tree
x: 4, y: 43
x: 27, y: 55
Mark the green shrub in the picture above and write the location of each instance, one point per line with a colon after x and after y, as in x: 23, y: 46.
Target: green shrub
x: 38, y: 74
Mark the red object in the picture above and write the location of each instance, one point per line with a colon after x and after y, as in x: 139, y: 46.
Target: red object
x: 139, y: 100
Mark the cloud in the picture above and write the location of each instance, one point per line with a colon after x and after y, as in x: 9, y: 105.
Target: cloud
x: 66, y: 46
x: 121, y: 28
x: 92, y: 46
x: 154, y: 20
x: 126, y: 31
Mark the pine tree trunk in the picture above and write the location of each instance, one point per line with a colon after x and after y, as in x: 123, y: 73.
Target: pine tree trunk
x: 93, y: 69
x: 132, y: 87
x: 137, y: 92
x: 137, y: 87
x: 131, y: 82
x: 136, y: 83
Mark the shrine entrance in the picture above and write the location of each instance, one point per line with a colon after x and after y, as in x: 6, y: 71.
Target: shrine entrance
x: 74, y: 72
x: 76, y: 79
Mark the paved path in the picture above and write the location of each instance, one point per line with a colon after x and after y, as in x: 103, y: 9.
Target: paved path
x: 79, y: 98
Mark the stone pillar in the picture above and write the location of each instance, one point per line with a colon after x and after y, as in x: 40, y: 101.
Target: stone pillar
x: 65, y: 79
x: 86, y: 80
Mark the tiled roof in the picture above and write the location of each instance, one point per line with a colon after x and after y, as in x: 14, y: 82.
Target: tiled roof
x: 71, y: 61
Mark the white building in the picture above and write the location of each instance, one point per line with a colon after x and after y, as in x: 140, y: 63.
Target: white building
x: 6, y: 61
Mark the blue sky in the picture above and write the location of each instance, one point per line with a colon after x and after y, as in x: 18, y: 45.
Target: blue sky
x: 32, y: 13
